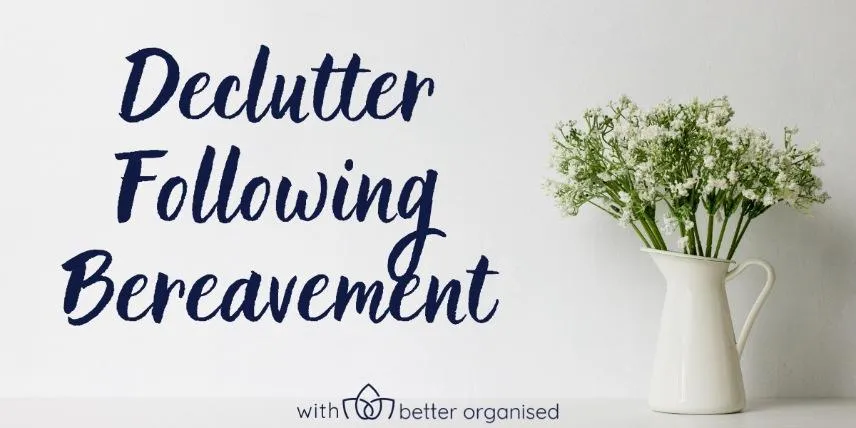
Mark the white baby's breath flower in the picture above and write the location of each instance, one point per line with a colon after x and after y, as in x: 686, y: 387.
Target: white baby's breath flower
x: 632, y: 143
x: 719, y: 183
x: 690, y: 182
x: 677, y: 122
x: 719, y: 113
x: 679, y: 189
x: 732, y: 176
x: 683, y: 241
x: 651, y: 132
x: 594, y: 112
x: 670, y: 224
x: 621, y: 130
x: 685, y: 156
x: 715, y: 184
x: 647, y: 195
x: 625, y: 219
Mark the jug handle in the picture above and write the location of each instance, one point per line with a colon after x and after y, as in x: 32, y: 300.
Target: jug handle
x: 753, y: 313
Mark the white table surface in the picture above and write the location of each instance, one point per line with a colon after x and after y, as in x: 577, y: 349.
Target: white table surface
x: 270, y: 412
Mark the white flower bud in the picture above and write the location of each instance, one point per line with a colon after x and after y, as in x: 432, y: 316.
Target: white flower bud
x: 749, y: 194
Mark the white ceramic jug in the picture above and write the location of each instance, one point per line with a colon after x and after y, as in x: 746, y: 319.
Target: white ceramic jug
x: 697, y: 363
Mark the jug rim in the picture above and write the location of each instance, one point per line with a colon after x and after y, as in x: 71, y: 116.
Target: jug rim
x: 686, y: 256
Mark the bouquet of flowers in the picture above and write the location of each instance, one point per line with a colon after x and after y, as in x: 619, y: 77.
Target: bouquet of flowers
x: 658, y: 171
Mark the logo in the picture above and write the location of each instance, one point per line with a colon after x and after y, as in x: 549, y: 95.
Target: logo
x: 368, y: 405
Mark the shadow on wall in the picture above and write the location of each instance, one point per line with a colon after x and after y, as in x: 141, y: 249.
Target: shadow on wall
x: 804, y: 344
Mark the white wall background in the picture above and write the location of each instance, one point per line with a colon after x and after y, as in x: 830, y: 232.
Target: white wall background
x: 579, y: 303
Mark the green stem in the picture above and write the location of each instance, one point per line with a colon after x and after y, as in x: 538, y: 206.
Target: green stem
x: 611, y: 214
x: 648, y: 232
x: 641, y: 236
x: 690, y: 247
x: 681, y: 228
x: 699, y: 245
x: 644, y: 221
x: 709, y: 249
x: 721, y: 234
x: 737, y: 233
x: 690, y: 235
x: 636, y: 229
x: 657, y: 233
x: 742, y: 232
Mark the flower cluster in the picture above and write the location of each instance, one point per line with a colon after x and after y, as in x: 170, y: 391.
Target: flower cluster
x: 680, y: 159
